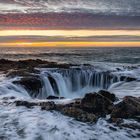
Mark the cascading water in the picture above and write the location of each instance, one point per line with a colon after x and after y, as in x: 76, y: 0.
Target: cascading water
x: 74, y: 81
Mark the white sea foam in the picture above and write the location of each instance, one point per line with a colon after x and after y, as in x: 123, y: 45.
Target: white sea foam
x: 34, y: 124
x: 30, y: 124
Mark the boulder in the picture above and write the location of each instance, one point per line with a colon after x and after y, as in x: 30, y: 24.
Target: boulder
x: 33, y: 84
x: 96, y: 103
x: 128, y: 108
x: 79, y: 114
x: 108, y: 95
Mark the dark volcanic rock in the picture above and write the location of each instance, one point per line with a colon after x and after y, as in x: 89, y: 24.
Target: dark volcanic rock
x: 47, y: 105
x: 33, y: 84
x: 79, y: 114
x: 115, y: 120
x: 108, y: 95
x: 54, y: 97
x: 43, y: 105
x: 25, y: 103
x: 128, y: 108
x: 96, y: 103
x: 29, y: 65
x: 127, y: 79
x: 21, y: 73
x: 91, y: 107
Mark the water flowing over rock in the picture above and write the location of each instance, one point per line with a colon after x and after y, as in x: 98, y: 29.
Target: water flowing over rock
x: 65, y: 82
x: 74, y: 81
x: 92, y: 107
x: 32, y: 84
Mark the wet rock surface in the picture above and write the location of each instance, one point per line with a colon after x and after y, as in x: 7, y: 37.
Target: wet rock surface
x: 29, y: 65
x: 108, y: 95
x: 44, y: 105
x: 88, y: 109
x: 54, y: 97
x: 79, y: 114
x: 96, y: 103
x: 127, y: 79
x: 128, y: 108
x: 33, y: 84
x: 92, y: 107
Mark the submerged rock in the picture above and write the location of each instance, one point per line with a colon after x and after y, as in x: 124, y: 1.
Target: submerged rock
x: 54, y: 97
x: 25, y: 103
x: 44, y: 105
x: 9, y: 98
x: 127, y: 79
x: 128, y: 108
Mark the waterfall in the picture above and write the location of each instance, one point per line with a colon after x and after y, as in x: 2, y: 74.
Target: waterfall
x: 68, y: 83
x: 74, y: 81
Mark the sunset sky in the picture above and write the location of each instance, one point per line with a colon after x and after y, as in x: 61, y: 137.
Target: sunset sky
x: 45, y: 23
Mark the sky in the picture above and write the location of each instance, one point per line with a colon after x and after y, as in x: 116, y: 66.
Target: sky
x: 69, y: 23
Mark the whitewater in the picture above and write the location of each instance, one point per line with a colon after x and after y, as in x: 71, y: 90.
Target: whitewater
x: 98, y: 70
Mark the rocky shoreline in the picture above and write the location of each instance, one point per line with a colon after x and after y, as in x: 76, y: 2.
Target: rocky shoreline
x: 90, y: 108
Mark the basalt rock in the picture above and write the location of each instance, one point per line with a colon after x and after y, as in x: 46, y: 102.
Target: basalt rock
x: 43, y: 105
x: 29, y: 65
x: 127, y: 79
x: 33, y: 84
x: 25, y: 103
x: 108, y: 95
x: 116, y: 120
x: 19, y: 73
x: 79, y: 114
x: 47, y: 105
x: 54, y: 97
x: 128, y: 108
x: 97, y: 104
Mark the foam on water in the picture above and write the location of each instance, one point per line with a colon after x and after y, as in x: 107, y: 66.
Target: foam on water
x: 8, y: 89
x: 30, y: 124
x: 33, y: 124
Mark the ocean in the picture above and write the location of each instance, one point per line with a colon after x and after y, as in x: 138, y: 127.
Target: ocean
x: 99, y: 68
x: 92, y: 55
x: 69, y: 93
